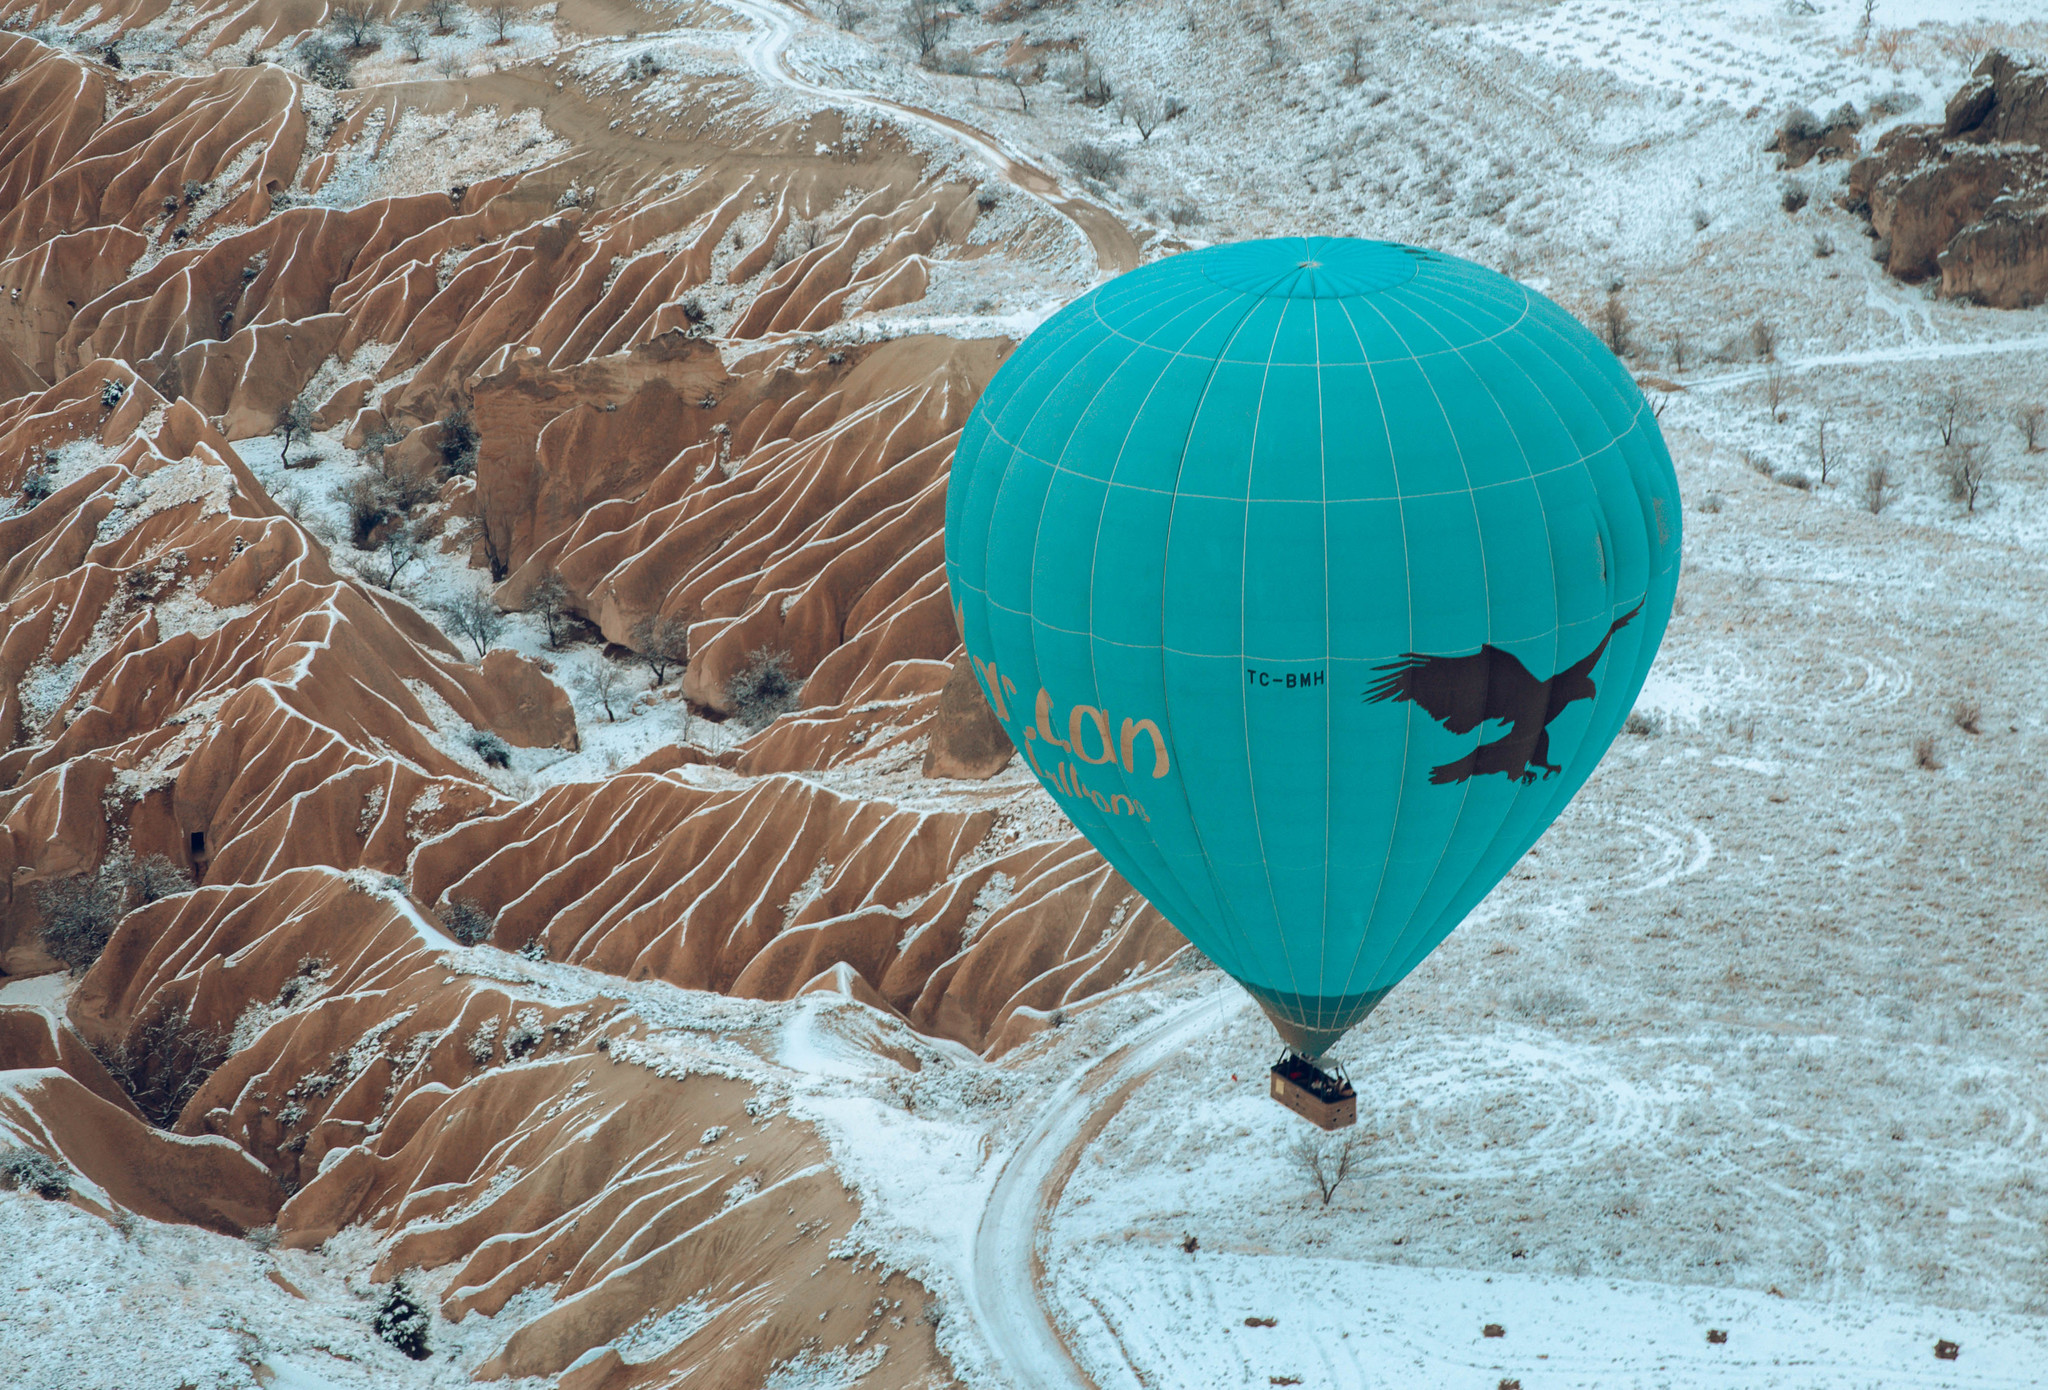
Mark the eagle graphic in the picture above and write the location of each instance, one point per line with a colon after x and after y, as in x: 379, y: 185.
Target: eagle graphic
x: 1463, y: 692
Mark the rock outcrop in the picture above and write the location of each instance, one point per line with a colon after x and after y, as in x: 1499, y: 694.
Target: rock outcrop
x: 1967, y: 199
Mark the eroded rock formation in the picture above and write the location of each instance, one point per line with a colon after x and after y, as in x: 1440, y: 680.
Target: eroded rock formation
x: 1967, y: 199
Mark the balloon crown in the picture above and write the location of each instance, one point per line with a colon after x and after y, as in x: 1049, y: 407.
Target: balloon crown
x: 1316, y: 267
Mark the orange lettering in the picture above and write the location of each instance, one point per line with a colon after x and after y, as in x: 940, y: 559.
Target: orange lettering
x: 1045, y: 719
x: 1074, y: 727
x: 992, y: 679
x: 1131, y: 730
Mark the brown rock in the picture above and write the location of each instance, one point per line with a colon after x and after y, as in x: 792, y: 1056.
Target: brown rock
x: 966, y: 740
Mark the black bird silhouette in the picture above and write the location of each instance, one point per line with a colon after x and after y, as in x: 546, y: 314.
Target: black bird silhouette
x: 1463, y: 692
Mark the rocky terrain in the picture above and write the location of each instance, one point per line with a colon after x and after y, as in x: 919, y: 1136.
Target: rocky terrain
x: 473, y: 642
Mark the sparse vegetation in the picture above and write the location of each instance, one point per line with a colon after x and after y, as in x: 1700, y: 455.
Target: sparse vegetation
x: 1185, y: 214
x: 2028, y: 420
x: 24, y: 1169
x: 402, y: 1320
x: 324, y: 63
x: 80, y: 913
x: 474, y: 615
x: 548, y: 600
x: 604, y: 683
x: 1963, y: 467
x: 294, y: 426
x: 1097, y: 162
x: 1967, y: 714
x: 162, y: 1064
x: 662, y: 643
x: 1878, y: 488
x: 493, y: 750
x: 1326, y: 1159
x: 763, y: 689
x: 467, y: 921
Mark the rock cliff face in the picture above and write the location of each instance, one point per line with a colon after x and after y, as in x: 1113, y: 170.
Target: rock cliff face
x: 1967, y: 199
x: 191, y: 668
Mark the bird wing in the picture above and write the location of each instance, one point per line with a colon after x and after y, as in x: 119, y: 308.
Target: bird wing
x: 1584, y: 666
x: 1459, y: 692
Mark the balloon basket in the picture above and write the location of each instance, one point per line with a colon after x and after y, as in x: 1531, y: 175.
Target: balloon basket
x: 1325, y: 1099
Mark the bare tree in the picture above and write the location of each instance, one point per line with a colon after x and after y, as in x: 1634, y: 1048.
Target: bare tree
x: 1774, y: 388
x: 295, y: 425
x: 442, y: 13
x: 397, y: 550
x: 162, y: 1064
x: 1354, y: 58
x: 1015, y: 77
x: 1679, y: 346
x: 605, y: 682
x: 355, y: 22
x: 1950, y: 411
x: 1821, y: 448
x: 1143, y: 110
x: 548, y: 600
x: 474, y: 614
x: 1878, y: 488
x: 1614, y: 325
x: 412, y: 37
x: 661, y: 644
x: 1325, y: 1159
x: 926, y: 23
x: 1963, y: 467
x: 2028, y: 420
x: 498, y: 19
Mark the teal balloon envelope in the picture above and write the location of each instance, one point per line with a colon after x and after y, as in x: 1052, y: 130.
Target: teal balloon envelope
x: 1312, y: 577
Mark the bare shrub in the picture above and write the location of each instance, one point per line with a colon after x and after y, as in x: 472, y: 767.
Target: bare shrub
x: 1794, y: 197
x: 1823, y: 244
x: 662, y: 644
x: 355, y: 23
x: 1712, y: 503
x: 1643, y: 723
x: 925, y: 23
x: 1950, y: 412
x: 1097, y: 162
x: 1774, y: 386
x: 1924, y: 756
x: 1144, y: 110
x: 796, y: 239
x: 548, y: 600
x: 1758, y: 463
x: 1826, y: 460
x: 1966, y: 714
x: 1354, y: 60
x: 80, y: 913
x: 162, y: 1064
x: 1878, y: 488
x: 1962, y: 468
x: 1793, y: 478
x: 604, y: 683
x: 1679, y: 347
x: 467, y: 921
x: 459, y: 441
x: 2028, y: 420
x: 1701, y: 219
x: 324, y: 63
x: 1614, y: 325
x: 30, y: 1170
x: 294, y: 426
x: 1325, y: 1159
x: 763, y: 689
x: 1763, y: 340
x: 474, y: 614
x: 493, y: 750
x: 1185, y: 214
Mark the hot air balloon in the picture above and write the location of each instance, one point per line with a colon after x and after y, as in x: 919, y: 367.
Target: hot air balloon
x: 1312, y: 577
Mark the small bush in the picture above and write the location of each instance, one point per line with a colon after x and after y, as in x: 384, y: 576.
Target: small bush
x: 1097, y: 162
x: 1793, y: 478
x: 1185, y: 214
x: 29, y: 1170
x: 1924, y: 756
x: 1878, y: 488
x: 1643, y: 723
x: 162, y: 1064
x: 1966, y: 714
x: 493, y: 750
x: 1701, y: 219
x: 1794, y: 197
x: 468, y: 922
x: 324, y: 63
x: 81, y: 912
x: 1823, y: 244
x: 402, y: 1321
x: 112, y: 393
x: 763, y: 689
x: 1712, y: 503
x: 458, y: 442
x: 36, y: 487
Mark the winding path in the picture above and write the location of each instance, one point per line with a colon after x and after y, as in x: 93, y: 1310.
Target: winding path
x: 766, y: 51
x: 1904, y: 352
x: 1006, y: 1274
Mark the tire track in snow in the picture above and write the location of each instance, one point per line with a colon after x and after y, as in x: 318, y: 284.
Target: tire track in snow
x: 1006, y: 1274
